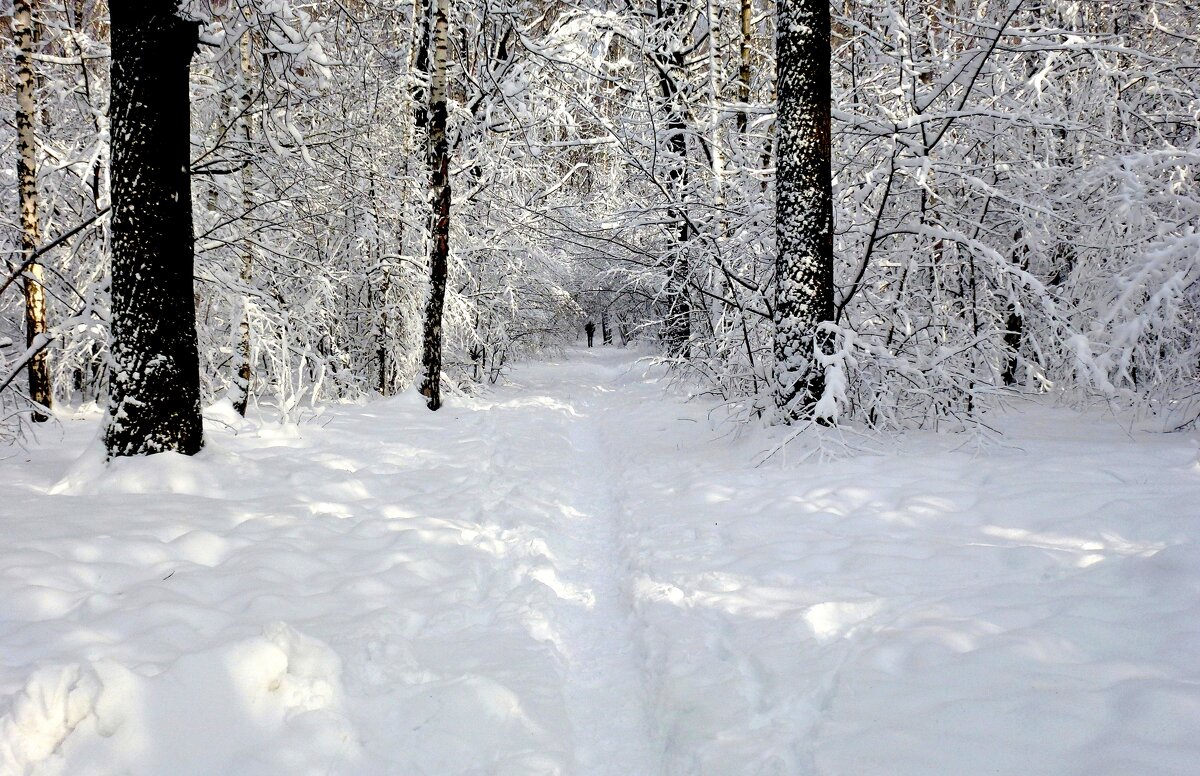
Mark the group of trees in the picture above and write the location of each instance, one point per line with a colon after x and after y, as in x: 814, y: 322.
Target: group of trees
x: 1013, y: 189
x: 885, y: 211
x: 279, y: 244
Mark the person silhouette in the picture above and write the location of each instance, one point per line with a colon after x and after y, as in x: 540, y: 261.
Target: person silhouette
x: 590, y: 328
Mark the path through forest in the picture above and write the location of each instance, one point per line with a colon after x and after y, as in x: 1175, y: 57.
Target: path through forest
x: 591, y: 616
x: 579, y: 573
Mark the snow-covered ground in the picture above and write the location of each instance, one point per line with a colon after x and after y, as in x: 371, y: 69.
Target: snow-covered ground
x: 577, y: 575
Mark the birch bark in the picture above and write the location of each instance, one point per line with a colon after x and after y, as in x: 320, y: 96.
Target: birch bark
x: 35, y: 294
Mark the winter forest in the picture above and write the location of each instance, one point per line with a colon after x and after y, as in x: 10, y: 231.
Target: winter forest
x: 645, y: 388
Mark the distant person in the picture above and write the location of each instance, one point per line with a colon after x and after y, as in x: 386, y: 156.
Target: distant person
x: 590, y: 328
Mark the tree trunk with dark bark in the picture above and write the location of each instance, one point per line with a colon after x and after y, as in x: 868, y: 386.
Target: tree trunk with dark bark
x: 804, y: 204
x: 439, y: 186
x: 677, y: 328
x: 154, y: 390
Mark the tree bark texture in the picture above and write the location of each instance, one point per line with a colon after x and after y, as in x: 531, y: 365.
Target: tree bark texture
x: 423, y: 14
x: 678, y: 323
x: 747, y: 20
x: 439, y: 186
x: 804, y: 203
x: 35, y: 294
x: 241, y: 392
x: 154, y: 390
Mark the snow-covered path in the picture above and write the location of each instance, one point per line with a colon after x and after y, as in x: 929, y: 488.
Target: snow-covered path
x: 577, y: 574
x: 591, y: 621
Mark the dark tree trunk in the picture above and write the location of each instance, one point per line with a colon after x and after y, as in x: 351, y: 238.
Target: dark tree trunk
x: 154, y: 390
x: 423, y: 14
x: 439, y: 184
x: 384, y: 341
x: 1014, y: 326
x: 678, y: 324
x: 804, y: 203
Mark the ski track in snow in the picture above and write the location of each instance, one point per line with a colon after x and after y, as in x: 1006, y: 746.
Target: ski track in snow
x: 578, y: 575
x: 604, y: 683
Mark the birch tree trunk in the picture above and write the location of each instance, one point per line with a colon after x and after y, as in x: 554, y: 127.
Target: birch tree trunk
x: 241, y: 394
x: 439, y: 186
x: 747, y: 19
x: 35, y: 294
x: 154, y: 390
x: 804, y: 204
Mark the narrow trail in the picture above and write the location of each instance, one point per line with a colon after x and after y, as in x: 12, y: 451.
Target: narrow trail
x: 604, y: 685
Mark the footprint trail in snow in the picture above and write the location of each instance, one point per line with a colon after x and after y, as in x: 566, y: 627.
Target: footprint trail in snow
x: 605, y: 687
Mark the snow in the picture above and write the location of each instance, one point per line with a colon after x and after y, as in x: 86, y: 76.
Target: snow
x: 579, y: 574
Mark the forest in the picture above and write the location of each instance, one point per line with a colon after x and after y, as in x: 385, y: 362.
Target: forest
x: 376, y: 199
x: 599, y: 387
